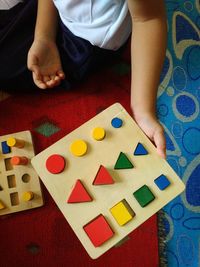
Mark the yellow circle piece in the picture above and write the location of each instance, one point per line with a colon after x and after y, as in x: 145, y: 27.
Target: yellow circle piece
x: 78, y: 148
x: 98, y: 133
x: 11, y: 142
x: 27, y: 196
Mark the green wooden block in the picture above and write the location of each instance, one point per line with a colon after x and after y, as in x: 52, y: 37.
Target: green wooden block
x: 123, y: 162
x: 144, y: 195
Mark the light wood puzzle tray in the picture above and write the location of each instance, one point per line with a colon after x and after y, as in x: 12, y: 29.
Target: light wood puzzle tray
x: 107, y: 179
x: 19, y: 183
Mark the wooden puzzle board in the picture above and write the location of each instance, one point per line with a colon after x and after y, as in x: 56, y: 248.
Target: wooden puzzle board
x: 146, y: 169
x: 16, y: 180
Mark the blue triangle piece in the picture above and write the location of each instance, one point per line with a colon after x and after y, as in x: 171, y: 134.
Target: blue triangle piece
x: 140, y: 150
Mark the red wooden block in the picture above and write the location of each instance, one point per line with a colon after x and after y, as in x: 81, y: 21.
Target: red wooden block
x: 98, y: 230
x: 55, y: 164
x: 103, y: 177
x: 79, y: 194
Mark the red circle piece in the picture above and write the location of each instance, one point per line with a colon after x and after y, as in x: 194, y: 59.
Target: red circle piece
x: 55, y: 163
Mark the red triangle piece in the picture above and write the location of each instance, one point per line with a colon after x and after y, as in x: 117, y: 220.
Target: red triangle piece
x: 103, y: 177
x: 79, y: 194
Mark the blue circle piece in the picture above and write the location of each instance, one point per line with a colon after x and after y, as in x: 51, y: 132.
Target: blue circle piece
x: 185, y: 105
x: 116, y: 122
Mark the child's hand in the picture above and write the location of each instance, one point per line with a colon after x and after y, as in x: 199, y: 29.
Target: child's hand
x: 44, y: 62
x: 154, y: 130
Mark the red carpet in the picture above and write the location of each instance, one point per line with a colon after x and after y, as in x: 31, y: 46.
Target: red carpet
x: 42, y: 237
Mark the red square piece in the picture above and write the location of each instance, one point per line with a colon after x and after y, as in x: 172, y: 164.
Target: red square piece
x: 98, y: 230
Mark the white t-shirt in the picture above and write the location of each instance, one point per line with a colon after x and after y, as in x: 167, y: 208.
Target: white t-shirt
x: 8, y: 4
x: 104, y: 23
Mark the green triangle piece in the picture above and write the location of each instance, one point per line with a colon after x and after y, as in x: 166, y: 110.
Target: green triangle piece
x: 123, y: 162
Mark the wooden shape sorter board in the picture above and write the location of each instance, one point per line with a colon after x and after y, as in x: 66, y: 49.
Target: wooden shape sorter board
x: 116, y: 208
x: 19, y: 184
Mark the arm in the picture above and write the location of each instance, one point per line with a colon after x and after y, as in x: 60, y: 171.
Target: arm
x: 43, y: 57
x: 148, y: 47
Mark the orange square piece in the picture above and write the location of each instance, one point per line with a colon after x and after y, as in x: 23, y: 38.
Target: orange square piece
x: 98, y: 230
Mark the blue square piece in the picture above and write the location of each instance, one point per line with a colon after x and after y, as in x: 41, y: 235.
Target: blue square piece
x: 162, y: 182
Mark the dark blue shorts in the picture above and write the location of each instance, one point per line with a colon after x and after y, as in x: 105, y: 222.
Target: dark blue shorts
x: 79, y: 57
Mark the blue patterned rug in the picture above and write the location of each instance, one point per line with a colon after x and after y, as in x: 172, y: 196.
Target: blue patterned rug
x: 178, y: 111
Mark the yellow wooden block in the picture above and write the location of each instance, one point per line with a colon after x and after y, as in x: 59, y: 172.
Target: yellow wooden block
x: 78, y: 148
x: 27, y: 196
x: 2, y: 206
x: 122, y: 212
x: 98, y: 133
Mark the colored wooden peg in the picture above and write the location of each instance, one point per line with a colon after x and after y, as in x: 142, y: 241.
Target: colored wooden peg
x: 162, y: 182
x: 55, y: 163
x: 122, y: 212
x: 17, y: 160
x: 140, y: 150
x: 78, y: 148
x: 13, y: 142
x: 5, y: 148
x: 98, y: 230
x: 27, y: 196
x: 103, y: 177
x: 144, y: 195
x: 2, y: 206
x: 79, y: 194
x: 116, y: 122
x: 123, y: 162
x: 98, y: 133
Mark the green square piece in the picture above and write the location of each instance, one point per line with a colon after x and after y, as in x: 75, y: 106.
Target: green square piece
x: 144, y: 195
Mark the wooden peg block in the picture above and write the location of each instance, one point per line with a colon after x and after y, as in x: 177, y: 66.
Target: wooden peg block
x: 78, y: 148
x: 123, y: 162
x: 79, y: 194
x: 103, y: 177
x: 55, y: 164
x: 2, y: 206
x: 144, y: 195
x: 13, y: 142
x: 27, y: 196
x: 98, y: 133
x: 16, y: 160
x: 98, y: 230
x: 122, y: 212
x: 5, y: 147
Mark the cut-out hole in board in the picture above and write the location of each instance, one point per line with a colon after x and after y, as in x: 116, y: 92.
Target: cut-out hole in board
x: 8, y: 164
x: 26, y: 178
x: 14, y: 199
x: 11, y: 181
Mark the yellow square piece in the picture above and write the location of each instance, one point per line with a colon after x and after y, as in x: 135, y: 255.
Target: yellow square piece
x: 122, y: 212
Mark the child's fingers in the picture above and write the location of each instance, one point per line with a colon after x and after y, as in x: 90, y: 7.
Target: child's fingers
x: 39, y: 82
x: 160, y: 143
x: 61, y: 74
x: 46, y: 78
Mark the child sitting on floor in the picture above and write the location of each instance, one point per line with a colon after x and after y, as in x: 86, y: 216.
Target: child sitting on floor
x: 71, y: 37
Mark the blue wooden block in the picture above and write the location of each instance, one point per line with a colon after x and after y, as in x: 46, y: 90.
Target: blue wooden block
x: 162, y: 182
x: 5, y: 148
x: 116, y: 122
x: 140, y: 150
